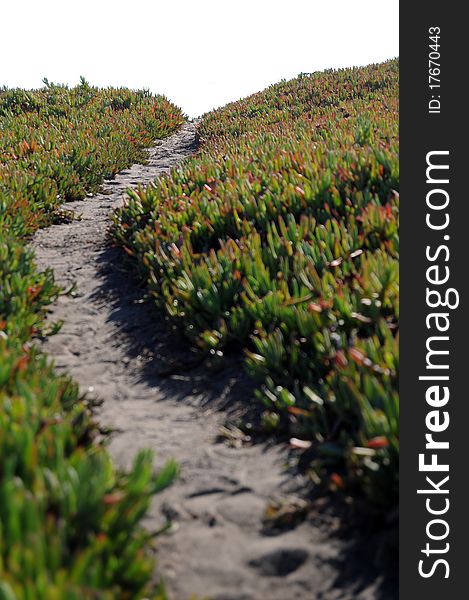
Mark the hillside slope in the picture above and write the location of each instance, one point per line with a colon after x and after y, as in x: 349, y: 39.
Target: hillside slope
x: 280, y: 239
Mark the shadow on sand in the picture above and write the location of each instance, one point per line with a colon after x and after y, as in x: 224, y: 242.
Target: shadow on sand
x: 367, y: 563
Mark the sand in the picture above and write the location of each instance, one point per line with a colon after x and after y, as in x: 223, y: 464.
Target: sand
x: 156, y: 395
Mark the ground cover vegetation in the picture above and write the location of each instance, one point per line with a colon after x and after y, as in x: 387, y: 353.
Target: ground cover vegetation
x: 280, y: 239
x: 69, y: 520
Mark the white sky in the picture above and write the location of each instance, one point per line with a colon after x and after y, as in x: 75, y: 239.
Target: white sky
x: 201, y: 54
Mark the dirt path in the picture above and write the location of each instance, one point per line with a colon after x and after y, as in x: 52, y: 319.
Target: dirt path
x: 115, y: 345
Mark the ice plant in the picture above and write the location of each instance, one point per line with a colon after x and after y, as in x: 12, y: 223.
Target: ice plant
x: 286, y: 233
x: 69, y: 521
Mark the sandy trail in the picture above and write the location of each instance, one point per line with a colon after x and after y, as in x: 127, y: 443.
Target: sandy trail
x: 115, y: 344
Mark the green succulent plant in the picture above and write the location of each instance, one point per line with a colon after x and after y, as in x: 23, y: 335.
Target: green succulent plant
x: 280, y: 238
x: 69, y: 521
